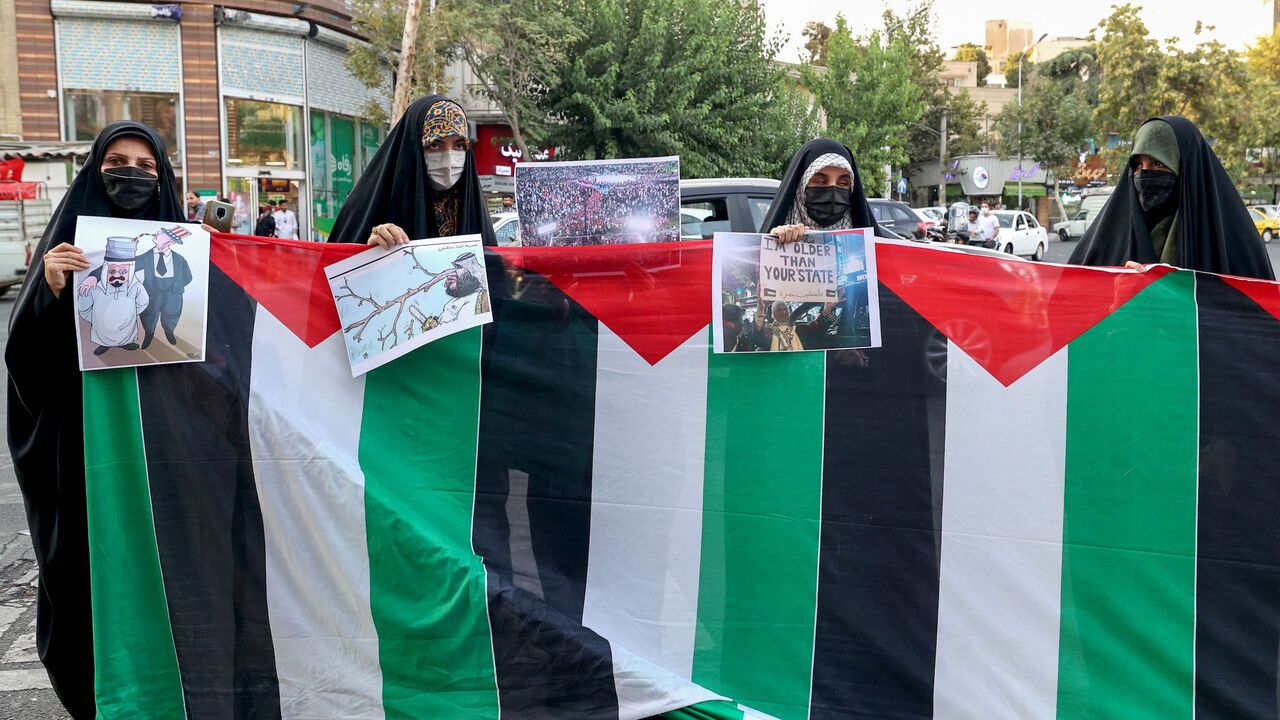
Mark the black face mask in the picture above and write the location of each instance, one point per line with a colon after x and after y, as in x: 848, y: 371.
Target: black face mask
x: 129, y: 188
x: 1157, y: 192
x: 827, y: 205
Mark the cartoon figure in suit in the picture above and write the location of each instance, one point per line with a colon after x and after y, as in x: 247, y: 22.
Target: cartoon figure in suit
x: 165, y: 275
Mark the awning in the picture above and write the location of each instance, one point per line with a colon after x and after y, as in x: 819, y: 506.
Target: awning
x: 19, y: 190
x: 1028, y: 190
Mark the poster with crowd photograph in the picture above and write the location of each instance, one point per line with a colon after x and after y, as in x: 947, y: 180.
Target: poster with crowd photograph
x: 391, y: 302
x: 144, y: 299
x: 599, y: 202
x: 749, y: 320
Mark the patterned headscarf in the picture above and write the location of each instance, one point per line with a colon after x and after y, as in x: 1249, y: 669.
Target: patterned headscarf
x: 444, y: 118
x: 798, y: 214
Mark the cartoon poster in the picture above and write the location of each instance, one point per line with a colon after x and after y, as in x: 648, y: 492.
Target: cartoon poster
x: 391, y: 302
x: 144, y: 299
x: 599, y: 202
x: 748, y: 321
x: 802, y: 271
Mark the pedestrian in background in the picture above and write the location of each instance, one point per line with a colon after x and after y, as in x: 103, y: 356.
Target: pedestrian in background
x: 1175, y: 204
x: 195, y: 207
x: 266, y: 225
x: 286, y: 221
x: 127, y: 175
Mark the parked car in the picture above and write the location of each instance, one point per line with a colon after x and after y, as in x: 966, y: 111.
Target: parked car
x: 1020, y: 234
x: 715, y: 205
x: 1268, y: 225
x: 934, y: 214
x: 506, y: 226
x: 898, y: 217
x: 1272, y: 210
x: 1074, y: 228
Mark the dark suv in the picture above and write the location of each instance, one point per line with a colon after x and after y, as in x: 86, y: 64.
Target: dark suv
x: 898, y: 217
x: 724, y: 205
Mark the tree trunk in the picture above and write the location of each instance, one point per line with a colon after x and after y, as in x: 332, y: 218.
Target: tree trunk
x: 408, y: 46
x: 513, y: 117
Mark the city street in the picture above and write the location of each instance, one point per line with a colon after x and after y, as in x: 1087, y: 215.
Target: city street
x: 24, y: 688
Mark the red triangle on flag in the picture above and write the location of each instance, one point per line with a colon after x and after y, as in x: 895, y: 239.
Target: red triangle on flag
x: 653, y: 295
x: 286, y: 277
x: 1266, y: 293
x: 1008, y: 315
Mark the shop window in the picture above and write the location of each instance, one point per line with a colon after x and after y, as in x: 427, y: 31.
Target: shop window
x: 264, y: 134
x: 88, y: 111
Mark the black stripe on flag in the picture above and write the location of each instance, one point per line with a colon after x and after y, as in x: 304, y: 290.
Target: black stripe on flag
x: 1238, y: 526
x: 877, y: 619
x: 533, y: 503
x: 195, y: 420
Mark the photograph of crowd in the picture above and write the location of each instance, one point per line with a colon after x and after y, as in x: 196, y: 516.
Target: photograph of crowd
x: 749, y: 323
x: 599, y: 202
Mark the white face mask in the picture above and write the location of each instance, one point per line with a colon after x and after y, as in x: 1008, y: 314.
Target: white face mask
x: 444, y: 168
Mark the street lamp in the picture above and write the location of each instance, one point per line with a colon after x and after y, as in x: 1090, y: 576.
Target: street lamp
x: 1023, y: 56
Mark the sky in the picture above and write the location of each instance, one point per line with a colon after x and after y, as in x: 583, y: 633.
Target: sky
x: 1238, y: 22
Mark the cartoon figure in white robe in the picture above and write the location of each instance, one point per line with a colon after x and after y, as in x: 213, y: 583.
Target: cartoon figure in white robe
x: 112, y: 308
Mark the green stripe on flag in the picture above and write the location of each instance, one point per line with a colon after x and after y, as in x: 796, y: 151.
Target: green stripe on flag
x: 427, y: 587
x: 761, y: 525
x: 1127, y: 642
x: 135, y: 663
x: 710, y: 710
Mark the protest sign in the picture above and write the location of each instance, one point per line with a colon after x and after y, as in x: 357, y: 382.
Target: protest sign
x: 802, y: 271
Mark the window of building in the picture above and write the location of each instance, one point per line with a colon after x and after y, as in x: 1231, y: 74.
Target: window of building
x: 88, y: 111
x: 264, y: 134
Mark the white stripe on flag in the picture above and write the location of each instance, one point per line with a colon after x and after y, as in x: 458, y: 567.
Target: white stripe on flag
x: 646, y: 516
x: 1001, y: 575
x: 304, y: 422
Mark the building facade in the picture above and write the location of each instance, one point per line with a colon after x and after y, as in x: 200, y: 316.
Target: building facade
x: 252, y: 98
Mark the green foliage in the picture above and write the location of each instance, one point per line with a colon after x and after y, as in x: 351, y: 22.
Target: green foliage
x: 382, y: 23
x: 1011, y: 67
x: 1264, y: 57
x: 693, y: 78
x: 517, y: 49
x: 816, y: 35
x: 1054, y: 123
x: 868, y: 94
x: 1209, y: 84
x: 969, y: 52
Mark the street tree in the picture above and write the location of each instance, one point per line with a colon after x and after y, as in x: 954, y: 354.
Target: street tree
x: 816, y: 33
x: 868, y: 95
x: 376, y: 62
x: 969, y: 52
x: 1053, y: 124
x: 1012, y: 66
x: 1130, y: 62
x: 517, y: 49
x: 694, y: 78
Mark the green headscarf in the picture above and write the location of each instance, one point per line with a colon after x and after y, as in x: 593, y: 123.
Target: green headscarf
x: 1156, y: 138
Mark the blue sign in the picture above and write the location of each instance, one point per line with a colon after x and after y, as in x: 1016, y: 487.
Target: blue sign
x: 902, y: 185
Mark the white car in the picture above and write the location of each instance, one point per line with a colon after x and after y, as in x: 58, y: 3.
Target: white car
x: 1073, y: 228
x: 932, y: 215
x: 506, y: 226
x: 1020, y: 234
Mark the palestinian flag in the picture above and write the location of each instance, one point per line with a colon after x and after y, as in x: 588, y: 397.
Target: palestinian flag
x: 1051, y: 493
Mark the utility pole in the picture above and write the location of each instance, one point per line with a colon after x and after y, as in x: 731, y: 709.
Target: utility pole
x: 408, y: 46
x: 1022, y: 57
x: 942, y: 160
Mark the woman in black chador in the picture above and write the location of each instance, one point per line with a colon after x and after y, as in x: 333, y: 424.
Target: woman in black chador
x: 1175, y: 204
x: 127, y: 175
x: 422, y: 183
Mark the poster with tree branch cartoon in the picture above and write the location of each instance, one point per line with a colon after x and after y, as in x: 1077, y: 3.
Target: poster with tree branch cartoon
x: 394, y: 301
